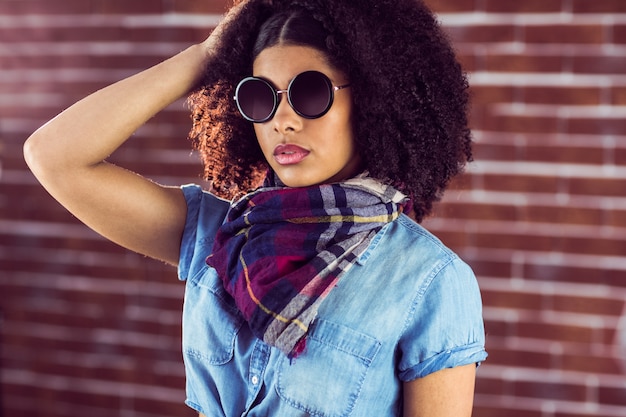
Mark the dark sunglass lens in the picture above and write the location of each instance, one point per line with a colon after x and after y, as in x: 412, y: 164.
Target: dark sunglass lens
x: 310, y: 94
x: 255, y: 99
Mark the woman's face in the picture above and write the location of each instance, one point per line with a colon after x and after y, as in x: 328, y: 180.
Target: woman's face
x: 302, y: 151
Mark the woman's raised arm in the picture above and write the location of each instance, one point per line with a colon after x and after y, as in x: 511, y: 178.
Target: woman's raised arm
x: 68, y: 156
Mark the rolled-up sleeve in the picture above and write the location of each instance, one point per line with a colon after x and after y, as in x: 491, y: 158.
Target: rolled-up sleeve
x: 205, y: 214
x: 445, y: 327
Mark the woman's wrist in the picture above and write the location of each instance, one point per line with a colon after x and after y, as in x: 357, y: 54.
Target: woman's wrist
x: 189, y: 65
x: 201, y: 55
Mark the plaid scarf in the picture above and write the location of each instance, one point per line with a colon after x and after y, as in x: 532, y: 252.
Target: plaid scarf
x: 281, y: 250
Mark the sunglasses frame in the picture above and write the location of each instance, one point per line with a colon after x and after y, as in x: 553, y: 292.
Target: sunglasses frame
x: 276, y: 93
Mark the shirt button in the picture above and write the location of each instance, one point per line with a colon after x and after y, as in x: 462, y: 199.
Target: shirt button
x: 255, y: 380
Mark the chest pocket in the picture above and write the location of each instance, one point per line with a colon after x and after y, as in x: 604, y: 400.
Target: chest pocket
x: 325, y: 380
x: 210, y: 319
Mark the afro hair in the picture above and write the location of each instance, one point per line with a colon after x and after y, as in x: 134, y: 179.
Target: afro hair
x: 410, y: 95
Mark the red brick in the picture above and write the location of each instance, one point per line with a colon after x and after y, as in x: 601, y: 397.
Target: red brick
x: 563, y: 154
x: 43, y: 112
x: 451, y: 6
x: 515, y: 300
x: 488, y: 94
x: 194, y: 6
x: 151, y: 407
x: 528, y: 6
x: 86, y: 242
x: 521, y: 183
x: 587, y: 305
x: 167, y: 34
x: 575, y: 275
x: 515, y: 357
x: 490, y: 268
x: 454, y: 239
x: 468, y: 61
x: 581, y: 412
x: 82, y: 301
x: 86, y: 62
x: 596, y: 186
x: 508, y: 411
x: 524, y: 62
x: 597, y: 125
x: 551, y: 391
x: 491, y: 386
x: 598, y: 6
x: 594, y: 246
x: 619, y: 95
x: 167, y: 349
x: 52, y: 34
x: 130, y: 63
x: 476, y: 117
x: 86, y: 322
x: 499, y: 328
x: 93, y: 404
x: 482, y: 34
x: 616, y: 218
x: 516, y: 241
x: 598, y: 64
x: 613, y: 395
x: 572, y: 95
x: 476, y: 211
x: 21, y: 403
x: 11, y: 37
x: 619, y: 156
x: 496, y: 152
x: 555, y: 332
x: 619, y: 34
x: 101, y: 366
x: 565, y: 215
x: 26, y: 7
x: 565, y: 34
x: 549, y: 243
x: 460, y: 182
x: 590, y: 363
x: 71, y: 92
x: 126, y: 7
x: 523, y: 123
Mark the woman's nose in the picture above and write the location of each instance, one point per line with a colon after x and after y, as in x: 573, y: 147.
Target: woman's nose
x: 286, y: 119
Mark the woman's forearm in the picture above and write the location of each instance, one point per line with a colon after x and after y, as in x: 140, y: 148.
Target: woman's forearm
x: 90, y: 130
x: 67, y: 155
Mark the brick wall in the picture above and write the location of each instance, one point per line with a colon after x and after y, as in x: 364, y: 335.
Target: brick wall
x: 91, y: 329
x: 88, y: 329
x: 541, y: 214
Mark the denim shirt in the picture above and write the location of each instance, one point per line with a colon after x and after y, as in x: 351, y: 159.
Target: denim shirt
x: 409, y: 307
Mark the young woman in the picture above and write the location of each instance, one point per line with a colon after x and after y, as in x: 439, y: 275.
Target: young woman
x: 318, y: 293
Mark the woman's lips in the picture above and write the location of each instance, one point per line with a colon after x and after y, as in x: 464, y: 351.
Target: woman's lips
x: 289, y: 154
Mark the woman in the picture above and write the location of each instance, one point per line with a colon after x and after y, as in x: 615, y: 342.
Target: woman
x: 318, y: 293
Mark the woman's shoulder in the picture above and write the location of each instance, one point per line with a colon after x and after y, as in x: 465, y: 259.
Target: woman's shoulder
x: 410, y: 241
x: 419, y: 232
x: 196, y: 195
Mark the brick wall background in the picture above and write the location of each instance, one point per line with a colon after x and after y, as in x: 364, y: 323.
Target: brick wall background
x: 91, y: 329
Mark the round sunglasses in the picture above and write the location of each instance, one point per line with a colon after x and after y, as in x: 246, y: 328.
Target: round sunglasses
x: 310, y: 94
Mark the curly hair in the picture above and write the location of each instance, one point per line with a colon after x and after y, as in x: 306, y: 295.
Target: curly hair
x: 410, y: 94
